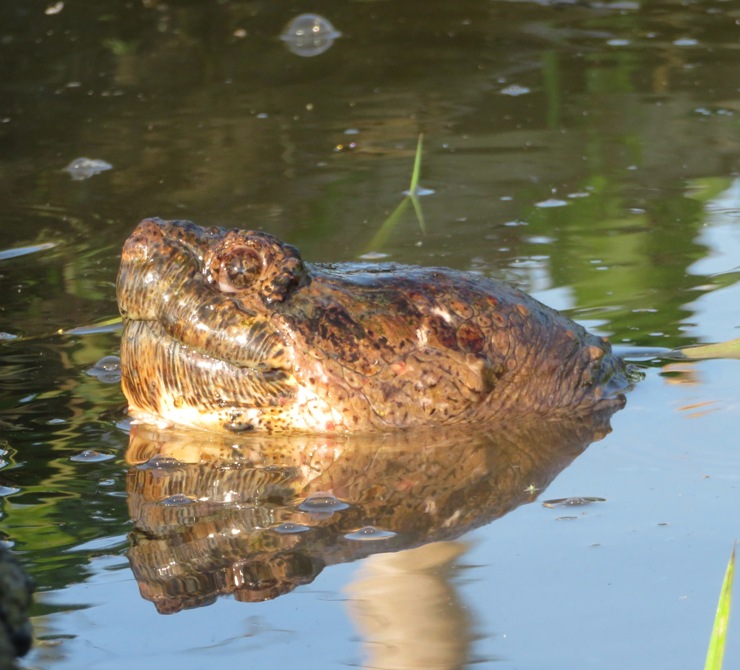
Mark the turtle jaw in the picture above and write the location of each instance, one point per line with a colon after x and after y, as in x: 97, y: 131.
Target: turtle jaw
x: 191, y: 353
x: 169, y: 382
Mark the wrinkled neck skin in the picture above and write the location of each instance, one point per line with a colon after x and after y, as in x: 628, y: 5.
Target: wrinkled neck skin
x: 231, y: 331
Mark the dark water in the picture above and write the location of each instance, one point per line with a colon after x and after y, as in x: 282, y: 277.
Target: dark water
x: 588, y: 152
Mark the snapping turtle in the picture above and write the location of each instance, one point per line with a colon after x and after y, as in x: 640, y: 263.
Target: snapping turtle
x: 231, y: 331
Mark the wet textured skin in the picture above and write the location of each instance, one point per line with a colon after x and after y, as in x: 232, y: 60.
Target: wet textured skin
x: 232, y: 331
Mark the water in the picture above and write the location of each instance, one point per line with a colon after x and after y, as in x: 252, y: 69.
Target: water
x: 586, y: 152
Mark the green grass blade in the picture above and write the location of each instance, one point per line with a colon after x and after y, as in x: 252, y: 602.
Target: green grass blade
x: 380, y: 238
x: 107, y: 326
x: 390, y: 223
x: 716, y: 649
x: 417, y: 166
x: 419, y: 213
x: 729, y: 349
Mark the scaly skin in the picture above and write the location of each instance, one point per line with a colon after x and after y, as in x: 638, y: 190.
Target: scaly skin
x: 231, y: 331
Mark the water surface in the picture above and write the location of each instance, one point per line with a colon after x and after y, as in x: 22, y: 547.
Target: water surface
x: 587, y: 152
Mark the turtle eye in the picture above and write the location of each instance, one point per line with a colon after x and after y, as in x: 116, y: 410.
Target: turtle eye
x: 239, y: 268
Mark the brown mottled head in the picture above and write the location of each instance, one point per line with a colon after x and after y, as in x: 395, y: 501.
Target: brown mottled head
x: 254, y: 263
x: 230, y: 330
x: 199, y: 347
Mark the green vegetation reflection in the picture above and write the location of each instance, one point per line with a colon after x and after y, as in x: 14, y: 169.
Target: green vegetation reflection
x: 390, y: 223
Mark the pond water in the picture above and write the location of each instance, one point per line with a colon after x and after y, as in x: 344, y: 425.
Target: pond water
x: 588, y: 152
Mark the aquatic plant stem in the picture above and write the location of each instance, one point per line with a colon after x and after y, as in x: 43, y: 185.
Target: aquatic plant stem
x: 417, y: 166
x: 380, y: 238
x: 716, y: 650
x: 389, y: 224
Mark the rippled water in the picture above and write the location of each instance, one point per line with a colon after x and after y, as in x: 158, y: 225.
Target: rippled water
x: 587, y: 152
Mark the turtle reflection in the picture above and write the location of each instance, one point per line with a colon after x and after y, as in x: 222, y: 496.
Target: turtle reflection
x: 259, y: 516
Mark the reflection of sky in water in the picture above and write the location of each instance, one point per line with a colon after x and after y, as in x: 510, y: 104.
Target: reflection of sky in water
x: 721, y: 233
x: 558, y: 297
x: 269, y: 634
x: 716, y: 311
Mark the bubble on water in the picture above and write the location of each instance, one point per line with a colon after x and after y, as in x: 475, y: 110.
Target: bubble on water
x: 290, y: 528
x: 51, y: 10
x: 322, y: 503
x: 514, y: 90
x: 420, y: 191
x: 373, y: 256
x: 369, y: 534
x: 106, y: 370
x: 91, y: 456
x: 576, y: 501
x: 160, y: 462
x: 84, y: 168
x: 123, y: 423
x: 309, y: 35
x: 551, y: 202
x: 538, y: 239
x: 177, y: 500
